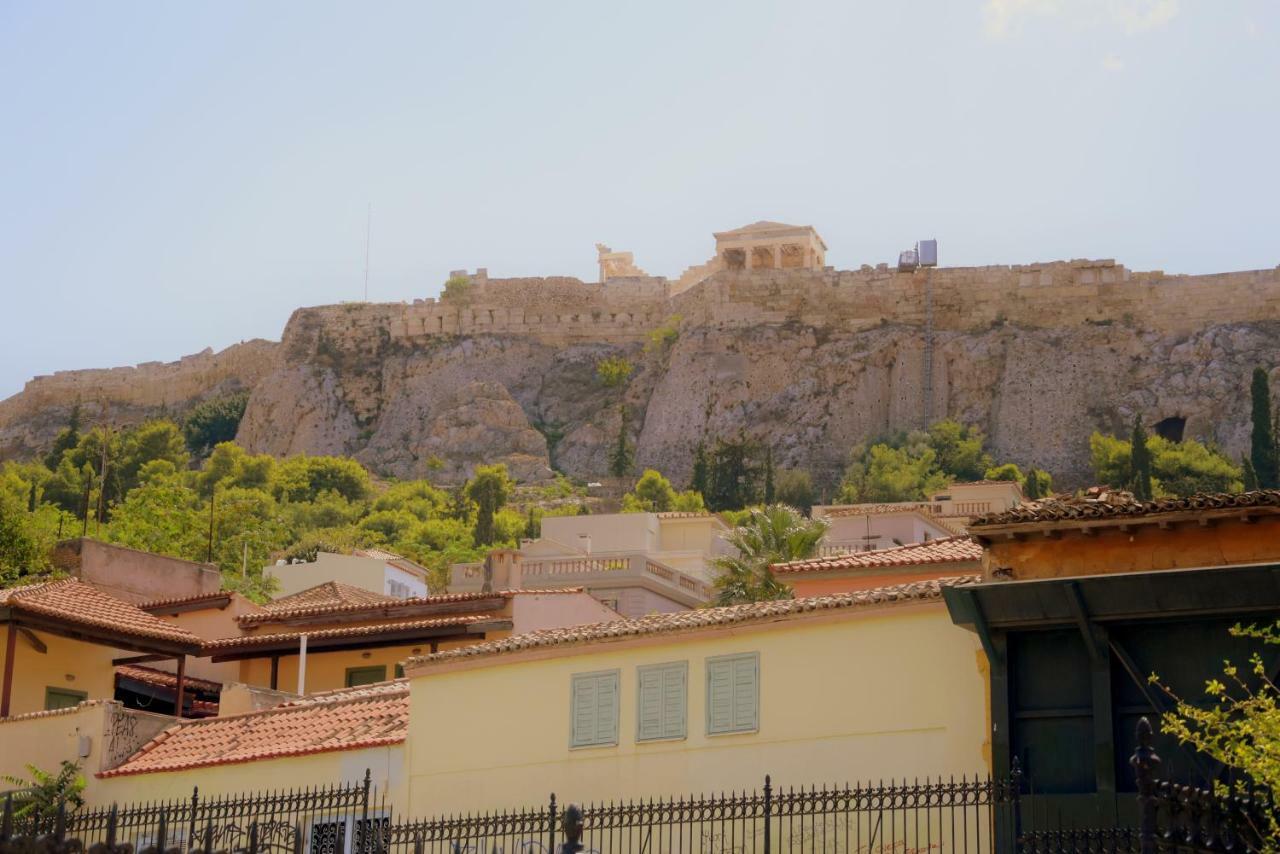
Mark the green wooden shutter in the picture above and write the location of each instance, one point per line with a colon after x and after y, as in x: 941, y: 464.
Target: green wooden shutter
x: 746, y: 692
x: 733, y: 693
x: 661, y: 701
x: 607, y: 708
x: 674, y: 702
x: 594, y: 709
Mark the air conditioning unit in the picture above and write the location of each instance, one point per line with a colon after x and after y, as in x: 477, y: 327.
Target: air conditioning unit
x: 927, y: 253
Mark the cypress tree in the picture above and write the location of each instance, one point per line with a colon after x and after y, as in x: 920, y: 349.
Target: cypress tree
x: 1250, y: 476
x: 1032, y: 488
x: 769, y: 488
x: 1140, y: 461
x: 623, y: 457
x: 701, y: 470
x: 1262, y: 450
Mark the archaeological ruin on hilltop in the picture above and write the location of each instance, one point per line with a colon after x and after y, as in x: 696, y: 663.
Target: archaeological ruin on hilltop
x: 762, y: 340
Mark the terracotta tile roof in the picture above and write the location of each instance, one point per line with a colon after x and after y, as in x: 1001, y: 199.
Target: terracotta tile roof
x: 928, y: 508
x: 685, y: 514
x: 53, y: 713
x: 212, y: 598
x: 248, y: 642
x: 164, y: 679
x: 325, y: 595
x: 73, y: 602
x: 1106, y: 504
x: 699, y: 619
x: 369, y: 716
x: 292, y: 607
x: 946, y: 550
x: 378, y: 554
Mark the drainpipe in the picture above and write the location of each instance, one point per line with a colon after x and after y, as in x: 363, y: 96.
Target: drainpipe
x: 302, y: 666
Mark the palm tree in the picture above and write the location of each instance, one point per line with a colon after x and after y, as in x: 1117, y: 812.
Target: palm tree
x: 769, y: 535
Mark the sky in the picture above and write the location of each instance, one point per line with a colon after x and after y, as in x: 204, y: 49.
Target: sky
x: 176, y: 176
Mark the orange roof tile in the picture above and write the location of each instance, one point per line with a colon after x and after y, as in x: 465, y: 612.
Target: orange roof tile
x: 220, y: 599
x: 78, y: 604
x: 324, y: 595
x: 928, y: 508
x: 947, y: 550
x: 164, y: 679
x: 699, y: 619
x: 221, y: 646
x: 1115, y: 504
x: 368, y: 716
x: 305, y: 605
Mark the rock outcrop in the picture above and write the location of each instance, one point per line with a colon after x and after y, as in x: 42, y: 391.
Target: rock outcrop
x: 810, y: 362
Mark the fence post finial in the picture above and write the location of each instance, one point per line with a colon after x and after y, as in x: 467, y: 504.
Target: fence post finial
x: 768, y: 814
x: 1146, y: 764
x: 571, y: 824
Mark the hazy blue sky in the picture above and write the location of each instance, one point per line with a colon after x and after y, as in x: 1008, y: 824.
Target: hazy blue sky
x: 182, y: 175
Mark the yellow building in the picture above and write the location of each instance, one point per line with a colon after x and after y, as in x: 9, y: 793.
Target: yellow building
x: 337, y: 636
x: 328, y: 738
x: 62, y: 639
x: 876, y: 683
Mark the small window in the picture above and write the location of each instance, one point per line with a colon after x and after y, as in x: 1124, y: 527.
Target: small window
x: 660, y: 701
x: 366, y: 675
x: 399, y: 671
x: 733, y: 693
x: 594, y: 707
x: 63, y: 698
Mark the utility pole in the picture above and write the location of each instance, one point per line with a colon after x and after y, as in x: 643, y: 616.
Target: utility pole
x: 368, y: 231
x: 213, y: 500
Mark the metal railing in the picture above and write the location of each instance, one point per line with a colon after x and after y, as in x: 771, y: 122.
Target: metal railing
x: 978, y: 814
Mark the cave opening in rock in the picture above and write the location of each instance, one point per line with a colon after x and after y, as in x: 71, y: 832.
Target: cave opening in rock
x: 1171, y: 428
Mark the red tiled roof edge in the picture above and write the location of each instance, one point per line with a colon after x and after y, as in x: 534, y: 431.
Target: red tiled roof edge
x: 1073, y: 509
x: 85, y: 605
x: 122, y: 771
x: 959, y: 549
x: 696, y: 620
x: 267, y: 615
x: 249, y: 641
x: 339, y: 696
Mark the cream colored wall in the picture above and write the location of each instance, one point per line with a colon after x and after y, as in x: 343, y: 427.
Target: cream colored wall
x: 69, y: 664
x: 613, y: 532
x: 532, y: 612
x: 98, y: 735
x: 326, y: 670
x: 905, y: 527
x: 386, y: 766
x: 877, y: 694
x: 364, y: 572
x: 208, y: 624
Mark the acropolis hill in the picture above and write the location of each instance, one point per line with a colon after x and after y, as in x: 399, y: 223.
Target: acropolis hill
x: 770, y: 343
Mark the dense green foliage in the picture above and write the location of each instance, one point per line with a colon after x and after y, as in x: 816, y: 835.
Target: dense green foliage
x: 243, y: 511
x: 912, y: 466
x: 767, y: 535
x: 653, y: 493
x: 44, y: 791
x: 1177, y: 468
x: 1264, y: 454
x: 734, y: 475
x: 214, y: 421
x: 1238, y: 724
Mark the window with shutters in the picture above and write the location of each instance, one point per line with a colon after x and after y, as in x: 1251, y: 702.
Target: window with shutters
x: 660, y: 700
x: 733, y: 693
x: 594, y: 707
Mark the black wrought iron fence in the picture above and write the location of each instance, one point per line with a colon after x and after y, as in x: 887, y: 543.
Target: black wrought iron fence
x: 979, y: 814
x: 321, y: 819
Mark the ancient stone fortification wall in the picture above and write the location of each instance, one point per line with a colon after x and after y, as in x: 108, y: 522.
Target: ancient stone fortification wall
x: 151, y: 384
x: 562, y: 311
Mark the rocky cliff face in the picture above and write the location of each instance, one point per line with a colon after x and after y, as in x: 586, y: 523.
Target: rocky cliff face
x: 810, y: 366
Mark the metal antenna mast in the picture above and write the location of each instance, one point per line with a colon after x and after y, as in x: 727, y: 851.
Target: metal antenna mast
x: 368, y: 229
